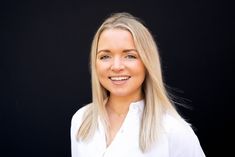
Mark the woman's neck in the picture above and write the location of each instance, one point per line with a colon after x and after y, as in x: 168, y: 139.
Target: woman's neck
x: 120, y: 105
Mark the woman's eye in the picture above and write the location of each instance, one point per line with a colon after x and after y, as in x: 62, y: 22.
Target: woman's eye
x: 104, y: 57
x: 131, y: 57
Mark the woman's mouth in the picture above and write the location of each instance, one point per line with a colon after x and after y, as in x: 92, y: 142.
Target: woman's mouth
x: 119, y: 79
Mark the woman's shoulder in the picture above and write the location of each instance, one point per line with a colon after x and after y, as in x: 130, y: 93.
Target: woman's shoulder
x: 174, y: 124
x: 78, y: 115
x: 181, y: 137
x: 177, y: 128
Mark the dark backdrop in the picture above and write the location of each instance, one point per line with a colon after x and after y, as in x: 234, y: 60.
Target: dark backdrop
x: 45, y: 71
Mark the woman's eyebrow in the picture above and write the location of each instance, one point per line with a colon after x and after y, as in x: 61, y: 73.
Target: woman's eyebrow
x: 128, y: 50
x: 108, y: 51
x: 104, y: 50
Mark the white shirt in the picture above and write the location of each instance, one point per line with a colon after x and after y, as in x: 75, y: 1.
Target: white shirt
x: 178, y: 140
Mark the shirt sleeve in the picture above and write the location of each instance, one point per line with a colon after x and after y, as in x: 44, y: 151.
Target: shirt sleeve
x: 75, y: 124
x: 183, y: 142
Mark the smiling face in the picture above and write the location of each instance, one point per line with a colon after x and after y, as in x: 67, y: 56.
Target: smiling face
x: 118, y: 64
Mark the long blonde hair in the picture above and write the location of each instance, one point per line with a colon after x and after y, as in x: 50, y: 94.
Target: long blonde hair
x: 157, y: 101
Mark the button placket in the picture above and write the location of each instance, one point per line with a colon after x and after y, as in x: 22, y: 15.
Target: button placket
x: 131, y: 120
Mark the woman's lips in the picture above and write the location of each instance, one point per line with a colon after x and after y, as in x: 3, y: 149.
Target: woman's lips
x: 118, y: 80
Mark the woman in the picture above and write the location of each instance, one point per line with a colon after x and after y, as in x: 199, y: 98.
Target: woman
x: 131, y: 114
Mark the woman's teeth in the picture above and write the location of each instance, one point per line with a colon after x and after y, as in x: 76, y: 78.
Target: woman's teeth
x: 120, y: 78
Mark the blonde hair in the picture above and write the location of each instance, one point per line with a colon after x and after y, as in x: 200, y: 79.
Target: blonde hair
x: 157, y: 101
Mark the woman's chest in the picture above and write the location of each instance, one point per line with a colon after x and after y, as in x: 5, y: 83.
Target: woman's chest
x: 124, y: 144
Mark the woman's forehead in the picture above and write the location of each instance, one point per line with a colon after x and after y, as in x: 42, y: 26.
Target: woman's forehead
x: 115, y: 39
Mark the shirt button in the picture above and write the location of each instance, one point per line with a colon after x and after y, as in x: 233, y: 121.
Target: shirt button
x: 103, y: 154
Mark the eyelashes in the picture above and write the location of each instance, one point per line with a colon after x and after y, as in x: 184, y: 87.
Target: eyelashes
x: 104, y: 57
x: 128, y: 56
x: 131, y: 57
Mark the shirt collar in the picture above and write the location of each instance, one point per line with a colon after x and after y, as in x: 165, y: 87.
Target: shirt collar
x: 137, y: 106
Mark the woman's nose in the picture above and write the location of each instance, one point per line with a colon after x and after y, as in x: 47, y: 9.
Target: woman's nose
x: 117, y: 64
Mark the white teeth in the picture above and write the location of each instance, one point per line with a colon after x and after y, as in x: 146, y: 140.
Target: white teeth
x: 119, y: 78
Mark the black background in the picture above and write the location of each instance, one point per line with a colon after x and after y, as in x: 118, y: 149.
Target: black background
x: 45, y: 67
